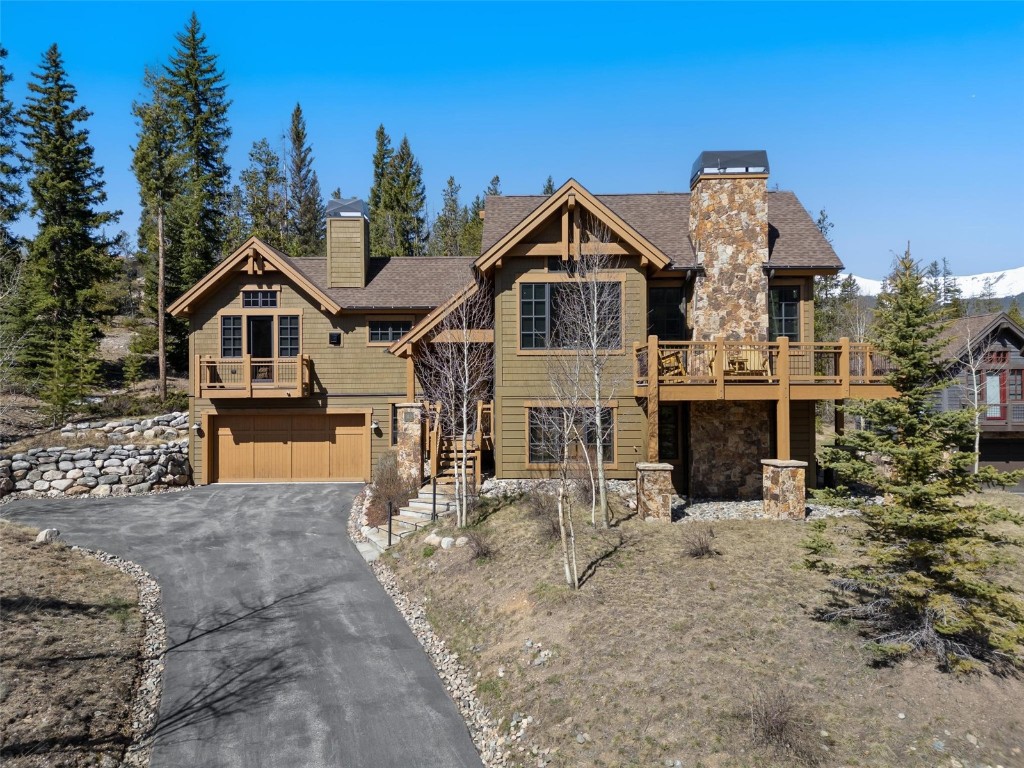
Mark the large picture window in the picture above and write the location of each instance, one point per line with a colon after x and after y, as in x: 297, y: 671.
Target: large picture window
x: 231, y: 336
x: 544, y: 307
x: 548, y: 427
x: 784, y: 312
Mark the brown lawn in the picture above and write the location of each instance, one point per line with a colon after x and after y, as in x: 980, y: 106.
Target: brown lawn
x: 660, y: 656
x: 69, y: 655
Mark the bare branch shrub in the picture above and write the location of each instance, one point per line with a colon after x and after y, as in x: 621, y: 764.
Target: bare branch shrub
x: 479, y: 544
x: 388, y: 486
x: 698, y: 540
x: 543, y: 507
x: 780, y: 721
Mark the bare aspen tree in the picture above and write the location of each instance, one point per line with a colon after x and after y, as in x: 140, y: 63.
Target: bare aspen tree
x: 455, y: 368
x: 586, y: 327
x: 10, y: 342
x: 973, y: 366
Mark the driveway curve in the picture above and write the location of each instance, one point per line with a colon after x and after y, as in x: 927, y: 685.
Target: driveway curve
x: 283, y: 649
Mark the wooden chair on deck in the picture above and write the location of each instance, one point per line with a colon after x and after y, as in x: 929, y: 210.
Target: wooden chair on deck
x: 670, y: 364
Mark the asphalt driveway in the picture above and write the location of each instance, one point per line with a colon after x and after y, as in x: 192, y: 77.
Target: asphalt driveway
x: 283, y: 650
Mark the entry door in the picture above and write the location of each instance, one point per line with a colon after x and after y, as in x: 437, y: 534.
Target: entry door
x: 672, y: 431
x: 995, y: 394
x: 261, y: 336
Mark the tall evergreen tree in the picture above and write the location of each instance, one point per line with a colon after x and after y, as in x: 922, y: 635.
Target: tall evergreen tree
x: 264, y: 195
x: 12, y: 198
x: 924, y: 585
x: 472, y: 232
x: 1014, y: 313
x: 952, y: 294
x: 158, y: 167
x: 446, y: 234
x: 197, y: 99
x: 383, y: 240
x: 410, y: 201
x: 69, y: 258
x: 306, y: 210
x: 549, y: 187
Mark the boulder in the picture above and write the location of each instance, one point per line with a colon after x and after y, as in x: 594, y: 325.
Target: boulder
x: 432, y: 540
x: 76, y: 490
x: 61, y: 485
x: 47, y: 535
x: 20, y: 464
x: 87, y: 482
x: 447, y: 542
x: 22, y: 485
x: 6, y: 485
x: 74, y: 474
x: 141, y: 488
x: 34, y: 475
x: 91, y: 472
x: 112, y: 463
x: 64, y: 466
x: 109, y: 479
x: 40, y: 485
x: 100, y: 490
x: 131, y: 480
x: 46, y: 467
x: 461, y: 541
x: 181, y: 479
x: 53, y: 474
x: 119, y: 490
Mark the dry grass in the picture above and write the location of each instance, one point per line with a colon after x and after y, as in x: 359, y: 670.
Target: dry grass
x: 69, y: 655
x: 658, y: 655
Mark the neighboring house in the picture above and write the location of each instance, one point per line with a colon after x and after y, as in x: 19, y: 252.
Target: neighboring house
x: 293, y: 360
x: 985, y: 355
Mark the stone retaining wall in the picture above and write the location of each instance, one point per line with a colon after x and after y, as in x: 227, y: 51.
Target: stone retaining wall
x: 170, y: 426
x: 115, y: 470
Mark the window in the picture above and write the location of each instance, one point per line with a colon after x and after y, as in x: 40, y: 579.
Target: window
x: 288, y: 336
x: 394, y: 424
x: 997, y: 357
x: 540, y: 305
x: 784, y: 312
x: 1015, y: 385
x: 547, y: 429
x: 666, y: 313
x: 261, y: 299
x: 533, y: 316
x: 388, y: 331
x: 231, y: 336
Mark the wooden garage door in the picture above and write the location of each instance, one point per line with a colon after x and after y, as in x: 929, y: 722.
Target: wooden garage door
x: 294, y: 447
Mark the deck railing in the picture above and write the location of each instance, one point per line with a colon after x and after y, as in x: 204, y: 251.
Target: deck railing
x: 721, y: 362
x: 253, y: 377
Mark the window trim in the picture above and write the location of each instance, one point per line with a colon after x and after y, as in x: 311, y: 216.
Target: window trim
x: 611, y: 276
x: 411, y: 319
x: 275, y: 313
x: 612, y: 405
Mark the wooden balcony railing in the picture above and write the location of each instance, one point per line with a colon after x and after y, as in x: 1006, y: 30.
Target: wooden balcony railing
x: 252, y: 377
x: 723, y: 369
x: 1001, y: 416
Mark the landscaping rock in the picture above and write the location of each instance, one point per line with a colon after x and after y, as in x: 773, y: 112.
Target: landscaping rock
x: 40, y: 485
x: 52, y: 474
x: 432, y: 540
x: 100, y: 491
x: 447, y: 542
x: 47, y: 536
x: 461, y: 541
x: 61, y: 485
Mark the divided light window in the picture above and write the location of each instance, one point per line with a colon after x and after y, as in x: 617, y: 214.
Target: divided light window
x: 231, y: 336
x: 288, y: 336
x: 784, y: 312
x: 259, y: 299
x: 540, y: 307
x: 388, y: 331
x: 547, y: 425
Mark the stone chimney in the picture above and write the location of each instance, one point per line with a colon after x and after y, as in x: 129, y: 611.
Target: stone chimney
x: 348, y: 243
x: 729, y: 229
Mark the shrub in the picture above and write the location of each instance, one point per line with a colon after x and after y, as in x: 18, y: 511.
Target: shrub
x: 479, y: 544
x: 778, y: 720
x: 388, y: 486
x: 543, y: 507
x: 429, y: 550
x: 697, y: 541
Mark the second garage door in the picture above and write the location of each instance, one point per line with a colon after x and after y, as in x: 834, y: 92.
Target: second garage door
x: 293, y: 447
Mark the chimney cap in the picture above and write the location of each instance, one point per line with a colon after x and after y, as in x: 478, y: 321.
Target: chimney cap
x: 347, y: 208
x: 729, y: 163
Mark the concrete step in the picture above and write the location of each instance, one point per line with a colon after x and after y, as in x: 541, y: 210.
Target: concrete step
x: 426, y: 507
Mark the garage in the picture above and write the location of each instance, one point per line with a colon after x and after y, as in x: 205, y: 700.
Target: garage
x: 297, y: 447
x: 1005, y: 454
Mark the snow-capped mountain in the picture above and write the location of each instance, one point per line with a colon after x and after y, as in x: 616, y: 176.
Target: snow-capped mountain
x: 1009, y: 282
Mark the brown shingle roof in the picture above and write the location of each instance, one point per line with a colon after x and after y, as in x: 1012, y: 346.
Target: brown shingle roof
x: 420, y: 282
x: 664, y: 219
x: 975, y: 328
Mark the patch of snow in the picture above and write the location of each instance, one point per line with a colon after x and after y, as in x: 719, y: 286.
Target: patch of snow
x: 1009, y: 282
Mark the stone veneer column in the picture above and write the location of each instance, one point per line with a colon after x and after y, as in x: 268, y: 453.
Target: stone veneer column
x: 654, y: 491
x: 785, y: 497
x: 410, y: 442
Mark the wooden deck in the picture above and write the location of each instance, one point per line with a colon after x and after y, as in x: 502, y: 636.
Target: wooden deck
x: 249, y: 377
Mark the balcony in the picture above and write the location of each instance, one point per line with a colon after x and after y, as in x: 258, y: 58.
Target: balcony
x: 252, y: 377
x: 743, y: 370
x: 1002, y: 417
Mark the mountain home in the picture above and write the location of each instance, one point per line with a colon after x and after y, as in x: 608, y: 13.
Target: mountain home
x: 306, y: 369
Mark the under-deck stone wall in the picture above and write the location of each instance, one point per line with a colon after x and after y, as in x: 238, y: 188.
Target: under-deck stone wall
x: 728, y: 439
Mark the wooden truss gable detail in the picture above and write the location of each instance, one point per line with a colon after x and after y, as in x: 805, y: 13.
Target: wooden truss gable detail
x: 562, y: 214
x: 254, y: 258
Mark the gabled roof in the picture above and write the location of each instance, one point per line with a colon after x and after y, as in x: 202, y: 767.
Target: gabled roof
x: 976, y: 328
x: 251, y: 252
x: 663, y: 219
x: 403, y: 346
x: 513, y: 230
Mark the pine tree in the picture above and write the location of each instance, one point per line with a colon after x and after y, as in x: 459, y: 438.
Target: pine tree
x: 158, y: 167
x: 826, y: 291
x: 410, y: 201
x: 264, y: 195
x: 197, y: 99
x: 74, y: 370
x: 494, y: 188
x: 473, y: 230
x: 549, y: 187
x: 383, y: 238
x: 1014, y: 313
x: 307, y: 223
x: 446, y: 234
x: 12, y: 199
x: 952, y: 295
x: 924, y: 585
x: 69, y: 259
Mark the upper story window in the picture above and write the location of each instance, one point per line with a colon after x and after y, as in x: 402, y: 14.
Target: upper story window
x: 784, y: 312
x: 231, y: 336
x: 388, y: 331
x: 544, y: 310
x: 259, y: 299
x: 288, y: 336
x: 666, y: 312
x: 997, y: 357
x: 255, y: 334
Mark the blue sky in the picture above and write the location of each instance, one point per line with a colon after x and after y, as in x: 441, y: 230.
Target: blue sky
x: 906, y: 122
